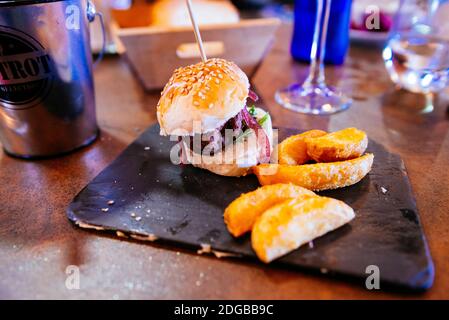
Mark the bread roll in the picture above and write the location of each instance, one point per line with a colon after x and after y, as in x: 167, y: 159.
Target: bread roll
x: 173, y: 13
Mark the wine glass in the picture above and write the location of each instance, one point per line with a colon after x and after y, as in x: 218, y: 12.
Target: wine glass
x: 314, y: 96
x: 417, y: 53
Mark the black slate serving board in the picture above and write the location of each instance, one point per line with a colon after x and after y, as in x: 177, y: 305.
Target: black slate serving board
x: 183, y: 205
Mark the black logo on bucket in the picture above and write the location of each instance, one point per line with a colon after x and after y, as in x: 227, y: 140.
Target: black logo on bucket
x: 25, y: 70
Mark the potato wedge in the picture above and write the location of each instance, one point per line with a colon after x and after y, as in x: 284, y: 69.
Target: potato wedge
x: 317, y: 176
x: 341, y: 145
x: 241, y: 213
x: 292, y: 223
x: 293, y: 150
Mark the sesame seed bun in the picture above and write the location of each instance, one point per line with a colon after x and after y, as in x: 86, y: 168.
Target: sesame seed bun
x: 200, y: 98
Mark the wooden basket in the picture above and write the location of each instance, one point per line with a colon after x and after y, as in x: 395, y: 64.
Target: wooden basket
x: 154, y: 52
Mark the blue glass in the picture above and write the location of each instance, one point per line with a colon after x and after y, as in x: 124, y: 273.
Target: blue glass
x: 337, y: 41
x: 314, y: 96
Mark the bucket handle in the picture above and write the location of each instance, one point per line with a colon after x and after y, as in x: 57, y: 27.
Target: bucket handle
x: 91, y: 14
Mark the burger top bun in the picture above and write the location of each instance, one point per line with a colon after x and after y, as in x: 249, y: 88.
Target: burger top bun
x: 173, y: 13
x: 200, y: 98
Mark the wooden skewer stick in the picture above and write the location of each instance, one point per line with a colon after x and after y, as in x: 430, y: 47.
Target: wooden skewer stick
x: 196, y: 30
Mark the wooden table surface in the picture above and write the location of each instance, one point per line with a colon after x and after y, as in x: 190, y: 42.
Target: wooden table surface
x: 38, y: 242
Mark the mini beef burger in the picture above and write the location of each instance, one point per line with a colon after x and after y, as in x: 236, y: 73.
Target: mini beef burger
x: 205, y: 106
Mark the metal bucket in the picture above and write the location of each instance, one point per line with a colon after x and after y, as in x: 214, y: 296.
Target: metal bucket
x: 47, y: 103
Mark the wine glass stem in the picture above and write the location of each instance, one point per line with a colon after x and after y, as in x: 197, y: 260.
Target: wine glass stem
x: 316, y: 76
x: 429, y: 106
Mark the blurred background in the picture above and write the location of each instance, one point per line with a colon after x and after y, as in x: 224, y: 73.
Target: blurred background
x: 145, y: 13
x: 155, y: 36
x: 152, y: 30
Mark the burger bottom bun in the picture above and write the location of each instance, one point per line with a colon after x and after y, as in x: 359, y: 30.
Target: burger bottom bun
x: 242, y: 155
